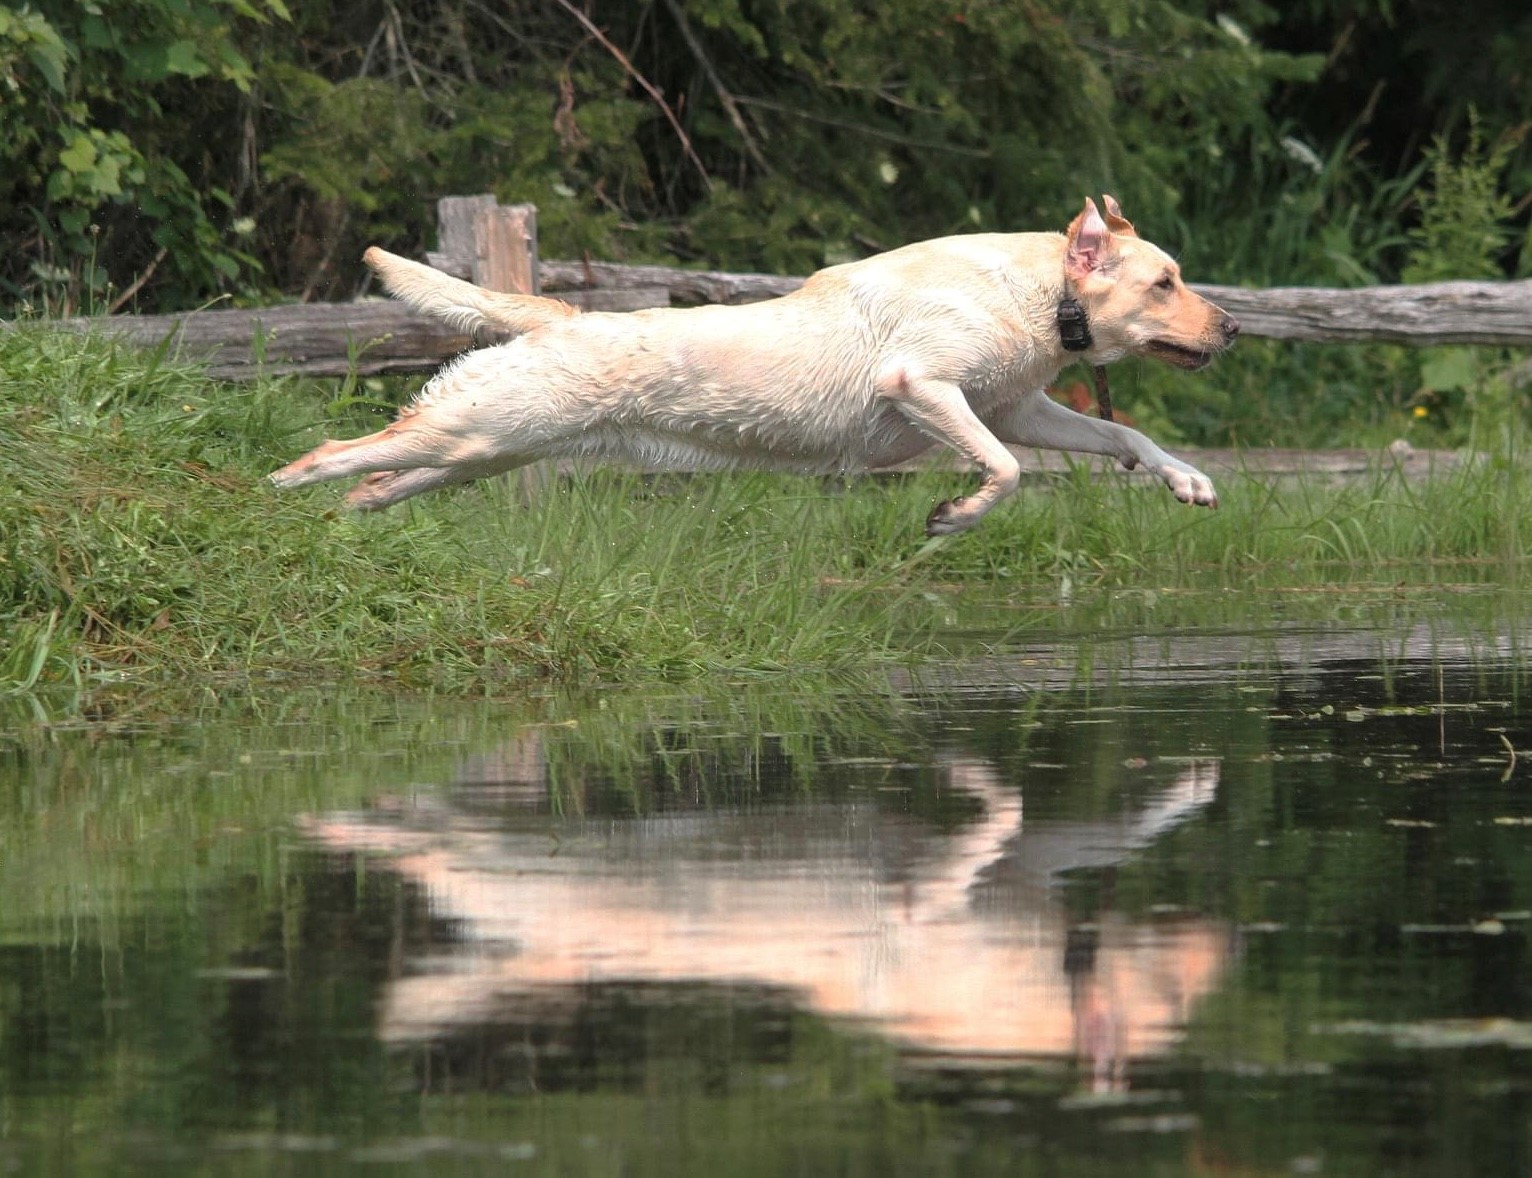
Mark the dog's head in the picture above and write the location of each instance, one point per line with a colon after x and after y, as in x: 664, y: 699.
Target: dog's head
x: 1134, y: 299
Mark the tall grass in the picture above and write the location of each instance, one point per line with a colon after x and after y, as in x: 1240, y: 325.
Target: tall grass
x: 137, y: 536
x: 137, y: 533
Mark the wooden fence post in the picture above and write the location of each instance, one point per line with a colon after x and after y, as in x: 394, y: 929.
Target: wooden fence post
x: 501, y: 240
x: 505, y: 249
x: 455, y: 249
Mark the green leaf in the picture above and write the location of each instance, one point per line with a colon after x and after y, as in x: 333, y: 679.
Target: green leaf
x: 80, y: 155
x: 181, y: 57
x: 49, y: 61
x: 95, y: 33
x: 1449, y: 370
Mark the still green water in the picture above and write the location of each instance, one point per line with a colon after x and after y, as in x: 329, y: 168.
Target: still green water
x: 1252, y: 903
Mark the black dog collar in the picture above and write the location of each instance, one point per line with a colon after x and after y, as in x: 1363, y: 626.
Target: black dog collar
x: 1074, y: 327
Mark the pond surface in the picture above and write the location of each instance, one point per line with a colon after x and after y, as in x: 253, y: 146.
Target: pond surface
x: 1252, y: 903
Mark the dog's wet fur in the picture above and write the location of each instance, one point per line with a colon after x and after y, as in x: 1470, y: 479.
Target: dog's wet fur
x: 866, y: 365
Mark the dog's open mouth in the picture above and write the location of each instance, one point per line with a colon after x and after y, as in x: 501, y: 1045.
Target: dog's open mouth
x: 1179, y: 354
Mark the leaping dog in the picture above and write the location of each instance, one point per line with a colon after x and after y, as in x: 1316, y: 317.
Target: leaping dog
x: 866, y: 365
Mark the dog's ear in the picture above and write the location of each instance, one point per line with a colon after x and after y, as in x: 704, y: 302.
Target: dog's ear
x: 1115, y: 221
x: 1089, y: 242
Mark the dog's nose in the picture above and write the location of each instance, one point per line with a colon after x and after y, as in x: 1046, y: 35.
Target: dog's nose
x: 1230, y: 327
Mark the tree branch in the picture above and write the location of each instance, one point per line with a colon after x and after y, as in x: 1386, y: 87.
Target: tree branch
x: 863, y: 129
x: 730, y: 106
x: 648, y: 87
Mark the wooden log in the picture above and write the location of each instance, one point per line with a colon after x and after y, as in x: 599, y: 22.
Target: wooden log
x: 314, y: 339
x: 1042, y: 467
x: 319, y: 339
x: 687, y: 286
x: 383, y: 337
x: 1421, y: 316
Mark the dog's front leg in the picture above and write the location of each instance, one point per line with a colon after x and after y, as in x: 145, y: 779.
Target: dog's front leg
x: 939, y: 409
x: 1035, y: 419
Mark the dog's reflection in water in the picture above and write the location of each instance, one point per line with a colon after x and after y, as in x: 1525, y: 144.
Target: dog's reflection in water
x: 953, y: 945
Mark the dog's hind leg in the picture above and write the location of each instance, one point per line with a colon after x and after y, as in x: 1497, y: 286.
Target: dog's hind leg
x: 384, y: 488
x: 404, y: 445
x: 939, y: 409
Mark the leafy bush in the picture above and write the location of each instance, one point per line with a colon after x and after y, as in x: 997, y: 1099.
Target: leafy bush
x: 237, y: 147
x: 102, y: 171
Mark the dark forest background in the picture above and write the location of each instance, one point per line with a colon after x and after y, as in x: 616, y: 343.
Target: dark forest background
x: 157, y: 154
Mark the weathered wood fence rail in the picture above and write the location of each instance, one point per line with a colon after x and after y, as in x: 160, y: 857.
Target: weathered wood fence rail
x: 496, y: 246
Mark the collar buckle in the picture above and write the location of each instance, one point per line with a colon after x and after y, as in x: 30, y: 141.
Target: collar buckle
x: 1074, y: 327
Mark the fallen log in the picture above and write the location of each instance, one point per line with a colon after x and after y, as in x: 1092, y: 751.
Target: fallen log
x: 1421, y: 316
x: 373, y: 337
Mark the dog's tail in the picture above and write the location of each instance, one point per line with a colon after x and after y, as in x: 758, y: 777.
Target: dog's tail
x: 467, y: 307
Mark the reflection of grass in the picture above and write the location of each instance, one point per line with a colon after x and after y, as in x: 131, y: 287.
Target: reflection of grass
x: 136, y: 533
x: 112, y: 798
x: 146, y: 795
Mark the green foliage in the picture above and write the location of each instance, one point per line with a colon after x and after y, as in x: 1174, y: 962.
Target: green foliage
x: 234, y: 147
x: 262, y: 149
x: 1464, y: 233
x: 96, y: 174
x: 171, y: 152
x: 1464, y: 215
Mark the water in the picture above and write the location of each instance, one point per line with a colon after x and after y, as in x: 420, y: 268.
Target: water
x: 1222, y: 903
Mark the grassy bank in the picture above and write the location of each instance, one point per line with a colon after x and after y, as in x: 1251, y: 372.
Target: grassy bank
x: 137, y: 536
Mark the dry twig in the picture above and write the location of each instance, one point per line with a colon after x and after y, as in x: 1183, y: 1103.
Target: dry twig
x: 138, y: 283
x: 730, y: 105
x: 649, y: 88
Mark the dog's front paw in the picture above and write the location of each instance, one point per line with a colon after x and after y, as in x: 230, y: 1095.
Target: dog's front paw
x: 1189, y: 485
x: 948, y: 517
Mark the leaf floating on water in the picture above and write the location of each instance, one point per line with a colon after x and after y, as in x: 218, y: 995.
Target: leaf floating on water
x: 1163, y: 1123
x: 1438, y: 1033
x: 1510, y: 821
x: 249, y: 973
x: 1118, y: 1098
x: 1413, y: 822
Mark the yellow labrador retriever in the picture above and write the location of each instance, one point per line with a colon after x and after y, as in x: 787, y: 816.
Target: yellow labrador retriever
x: 866, y: 365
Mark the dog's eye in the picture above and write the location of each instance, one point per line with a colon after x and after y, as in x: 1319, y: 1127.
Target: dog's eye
x: 1166, y: 283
